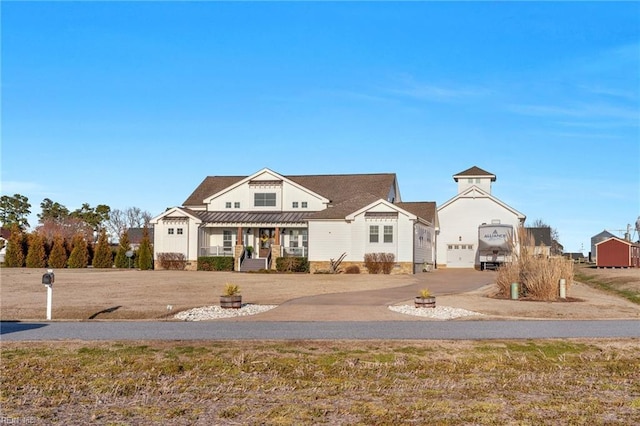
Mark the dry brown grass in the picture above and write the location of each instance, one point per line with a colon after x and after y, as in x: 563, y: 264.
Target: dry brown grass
x: 383, y: 383
x: 621, y: 282
x: 538, y: 277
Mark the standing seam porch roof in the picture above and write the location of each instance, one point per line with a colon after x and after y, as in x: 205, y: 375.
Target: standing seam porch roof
x: 252, y: 217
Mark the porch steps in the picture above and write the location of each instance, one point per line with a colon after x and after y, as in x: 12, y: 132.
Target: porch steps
x: 253, y: 265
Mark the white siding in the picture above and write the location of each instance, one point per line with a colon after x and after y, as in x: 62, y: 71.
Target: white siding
x: 286, y: 194
x: 464, y: 184
x: 424, y: 244
x: 459, y: 223
x: 178, y: 241
x: 329, y: 239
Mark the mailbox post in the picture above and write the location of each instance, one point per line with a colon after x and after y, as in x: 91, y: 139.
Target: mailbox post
x: 48, y: 280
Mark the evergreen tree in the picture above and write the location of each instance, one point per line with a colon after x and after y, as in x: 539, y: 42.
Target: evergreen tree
x: 145, y: 252
x: 14, y: 211
x: 79, y: 257
x: 58, y: 255
x: 36, y: 254
x: 102, y: 255
x: 14, y: 257
x: 122, y: 261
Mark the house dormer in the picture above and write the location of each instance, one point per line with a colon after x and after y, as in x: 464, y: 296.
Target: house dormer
x: 474, y: 176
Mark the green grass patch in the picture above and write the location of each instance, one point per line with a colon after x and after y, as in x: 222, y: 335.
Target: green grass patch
x: 619, y: 286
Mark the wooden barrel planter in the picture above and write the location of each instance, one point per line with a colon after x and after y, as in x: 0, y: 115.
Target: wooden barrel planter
x: 425, y: 302
x: 231, y: 302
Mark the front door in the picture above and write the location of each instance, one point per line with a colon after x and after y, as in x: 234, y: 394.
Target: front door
x: 266, y: 237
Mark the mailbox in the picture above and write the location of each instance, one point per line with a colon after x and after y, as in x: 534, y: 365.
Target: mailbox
x: 48, y: 278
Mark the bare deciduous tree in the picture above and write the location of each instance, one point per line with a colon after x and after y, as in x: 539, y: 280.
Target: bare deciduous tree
x: 131, y: 217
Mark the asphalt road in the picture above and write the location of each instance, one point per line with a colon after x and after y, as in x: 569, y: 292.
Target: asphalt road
x: 338, y: 330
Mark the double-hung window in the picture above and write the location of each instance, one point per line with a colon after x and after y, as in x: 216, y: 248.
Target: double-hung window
x: 264, y: 199
x: 374, y: 236
x: 388, y: 234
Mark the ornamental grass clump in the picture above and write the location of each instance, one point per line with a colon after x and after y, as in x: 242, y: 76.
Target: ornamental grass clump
x: 425, y: 293
x: 538, y: 276
x: 231, y: 289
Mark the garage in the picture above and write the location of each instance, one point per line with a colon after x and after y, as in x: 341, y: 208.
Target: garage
x: 461, y: 256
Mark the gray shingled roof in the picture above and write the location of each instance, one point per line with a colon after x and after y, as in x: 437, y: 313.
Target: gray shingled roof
x: 209, y: 186
x: 541, y: 236
x: 340, y: 188
x: 341, y: 210
x: 348, y: 193
x: 474, y: 171
x: 135, y: 234
x: 423, y: 209
x: 337, y: 188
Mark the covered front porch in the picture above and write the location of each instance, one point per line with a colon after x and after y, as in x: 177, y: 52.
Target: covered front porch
x: 256, y: 242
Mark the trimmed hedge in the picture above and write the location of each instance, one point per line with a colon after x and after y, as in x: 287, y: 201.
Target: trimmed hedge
x: 215, y: 263
x: 292, y: 264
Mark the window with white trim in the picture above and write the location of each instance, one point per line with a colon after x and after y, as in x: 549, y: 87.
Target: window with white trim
x: 264, y: 199
x: 227, y: 241
x: 236, y: 204
x: 304, y: 204
x: 374, y: 236
x: 227, y: 204
x: 179, y: 231
x: 294, y: 204
x: 170, y: 231
x: 388, y: 234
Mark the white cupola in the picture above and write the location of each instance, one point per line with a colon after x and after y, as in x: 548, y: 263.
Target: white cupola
x: 474, y: 176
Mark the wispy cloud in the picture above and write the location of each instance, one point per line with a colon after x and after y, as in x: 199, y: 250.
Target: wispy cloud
x: 577, y: 111
x: 631, y: 95
x: 407, y: 86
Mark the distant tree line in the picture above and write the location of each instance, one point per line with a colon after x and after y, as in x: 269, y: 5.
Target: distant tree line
x: 73, y: 239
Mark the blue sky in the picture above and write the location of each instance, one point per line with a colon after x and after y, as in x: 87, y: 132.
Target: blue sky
x: 134, y: 103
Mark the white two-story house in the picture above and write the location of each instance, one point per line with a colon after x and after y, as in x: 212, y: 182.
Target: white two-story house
x: 319, y: 217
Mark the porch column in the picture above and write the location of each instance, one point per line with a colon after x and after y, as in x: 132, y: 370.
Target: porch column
x: 237, y: 252
x: 275, y: 248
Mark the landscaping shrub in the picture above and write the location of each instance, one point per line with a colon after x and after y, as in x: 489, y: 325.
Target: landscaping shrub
x: 172, y: 261
x: 14, y: 257
x: 36, y: 253
x: 215, y: 263
x: 144, y: 255
x: 538, y: 277
x: 352, y: 269
x: 377, y: 262
x: 102, y: 257
x: 79, y: 257
x: 58, y: 255
x: 292, y: 264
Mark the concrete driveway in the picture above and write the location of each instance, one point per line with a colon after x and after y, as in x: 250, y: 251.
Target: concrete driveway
x: 372, y: 305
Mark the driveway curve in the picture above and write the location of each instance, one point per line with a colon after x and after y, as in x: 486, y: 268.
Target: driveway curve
x: 372, y: 305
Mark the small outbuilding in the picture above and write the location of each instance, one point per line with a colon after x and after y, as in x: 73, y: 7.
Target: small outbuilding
x: 615, y: 252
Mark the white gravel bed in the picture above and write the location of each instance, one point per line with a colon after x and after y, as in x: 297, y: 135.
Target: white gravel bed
x: 216, y: 312
x: 439, y: 312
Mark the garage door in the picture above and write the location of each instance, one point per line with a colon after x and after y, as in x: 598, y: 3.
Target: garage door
x: 461, y: 256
